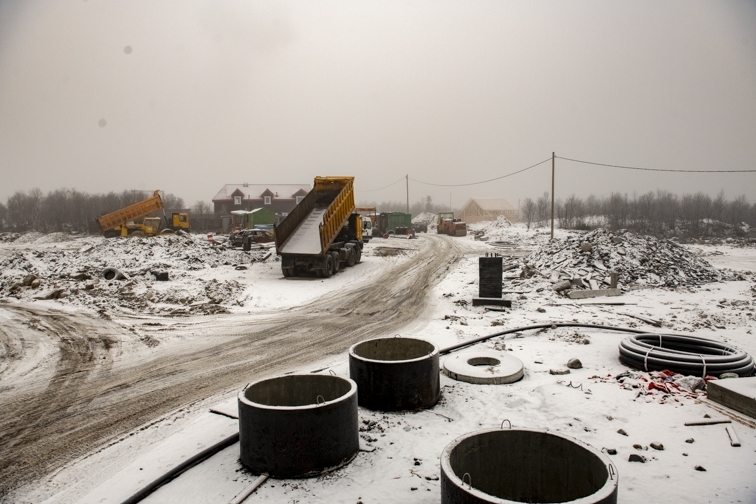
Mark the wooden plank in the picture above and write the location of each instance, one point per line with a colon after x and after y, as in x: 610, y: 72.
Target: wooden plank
x: 584, y: 294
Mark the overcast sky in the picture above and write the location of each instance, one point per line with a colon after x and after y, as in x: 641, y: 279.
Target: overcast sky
x: 186, y: 96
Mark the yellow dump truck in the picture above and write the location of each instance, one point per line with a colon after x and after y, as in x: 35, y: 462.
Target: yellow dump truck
x: 124, y: 222
x: 323, y: 233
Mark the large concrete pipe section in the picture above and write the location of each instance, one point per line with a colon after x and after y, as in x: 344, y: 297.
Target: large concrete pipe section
x: 395, y: 374
x: 298, y: 425
x: 509, y: 466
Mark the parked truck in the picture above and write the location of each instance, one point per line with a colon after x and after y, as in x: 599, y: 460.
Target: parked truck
x: 387, y: 223
x: 126, y: 221
x: 448, y: 225
x: 323, y: 233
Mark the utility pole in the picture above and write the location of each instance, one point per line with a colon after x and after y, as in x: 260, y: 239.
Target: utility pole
x: 552, y: 195
x: 406, y: 178
x: 450, y: 201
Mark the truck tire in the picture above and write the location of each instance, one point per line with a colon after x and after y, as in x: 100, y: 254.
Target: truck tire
x: 358, y: 255
x: 111, y: 233
x: 352, y: 256
x: 328, y: 270
x: 136, y: 234
x: 287, y: 272
x: 336, y: 262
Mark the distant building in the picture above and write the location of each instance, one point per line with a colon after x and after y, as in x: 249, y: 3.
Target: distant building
x: 487, y: 209
x: 278, y: 198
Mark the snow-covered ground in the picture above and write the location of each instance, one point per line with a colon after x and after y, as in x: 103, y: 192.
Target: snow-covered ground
x: 404, y: 465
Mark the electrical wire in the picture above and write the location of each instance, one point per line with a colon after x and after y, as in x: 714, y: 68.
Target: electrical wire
x: 653, y: 169
x: 384, y: 187
x: 482, y: 181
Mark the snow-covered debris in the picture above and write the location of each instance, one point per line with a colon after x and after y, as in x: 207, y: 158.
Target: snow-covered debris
x: 75, y: 275
x: 428, y: 219
x: 642, y: 260
x: 486, y: 230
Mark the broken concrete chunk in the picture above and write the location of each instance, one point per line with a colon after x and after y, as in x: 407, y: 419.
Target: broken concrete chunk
x: 622, y: 431
x: 634, y: 457
x: 560, y: 371
x: 657, y: 446
x: 700, y: 468
x: 28, y: 279
x: 35, y: 283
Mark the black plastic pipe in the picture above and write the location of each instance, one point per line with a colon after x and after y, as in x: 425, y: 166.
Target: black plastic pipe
x: 187, y: 464
x: 537, y: 326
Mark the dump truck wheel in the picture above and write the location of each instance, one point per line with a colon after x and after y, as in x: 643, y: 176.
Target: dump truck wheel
x: 328, y: 270
x: 136, y: 234
x: 351, y: 257
x: 110, y: 234
x: 336, y: 262
x: 358, y: 254
x: 287, y: 272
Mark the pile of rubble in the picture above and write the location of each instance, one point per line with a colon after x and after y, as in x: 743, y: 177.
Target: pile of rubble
x: 589, y: 259
x: 139, y: 269
x: 485, y: 230
x: 427, y: 219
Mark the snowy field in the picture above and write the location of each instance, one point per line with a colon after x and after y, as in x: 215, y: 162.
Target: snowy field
x: 400, y: 457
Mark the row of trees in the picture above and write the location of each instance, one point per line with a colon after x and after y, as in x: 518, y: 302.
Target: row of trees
x: 424, y: 204
x: 72, y: 210
x: 659, y: 212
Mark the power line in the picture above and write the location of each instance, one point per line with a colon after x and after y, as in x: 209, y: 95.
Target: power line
x: 654, y: 169
x: 483, y: 181
x: 384, y: 187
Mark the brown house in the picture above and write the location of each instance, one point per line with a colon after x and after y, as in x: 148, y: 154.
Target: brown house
x: 278, y: 198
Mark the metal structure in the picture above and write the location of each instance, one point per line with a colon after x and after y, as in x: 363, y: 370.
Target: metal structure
x: 395, y: 374
x: 298, y: 425
x: 509, y: 466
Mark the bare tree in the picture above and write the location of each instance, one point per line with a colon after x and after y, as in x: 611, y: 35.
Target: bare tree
x: 202, y: 208
x: 543, y: 206
x: 529, y: 210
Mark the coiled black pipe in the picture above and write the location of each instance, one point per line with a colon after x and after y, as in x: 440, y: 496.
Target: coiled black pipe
x: 688, y: 355
x: 165, y: 478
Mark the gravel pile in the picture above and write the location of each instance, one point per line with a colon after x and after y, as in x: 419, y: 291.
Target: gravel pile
x: 640, y: 260
x: 75, y: 276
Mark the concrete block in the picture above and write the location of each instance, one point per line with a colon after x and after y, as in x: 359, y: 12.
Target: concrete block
x: 480, y: 301
x: 583, y: 294
x: 738, y: 394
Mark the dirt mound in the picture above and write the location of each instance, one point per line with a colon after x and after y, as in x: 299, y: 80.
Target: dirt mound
x: 643, y: 260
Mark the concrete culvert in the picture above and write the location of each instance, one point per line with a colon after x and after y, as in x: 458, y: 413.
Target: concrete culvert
x: 113, y: 274
x: 298, y: 425
x: 508, y: 466
x: 395, y: 374
x: 483, y: 367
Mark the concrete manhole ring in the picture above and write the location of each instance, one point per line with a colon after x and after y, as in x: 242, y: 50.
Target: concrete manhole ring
x: 483, y: 367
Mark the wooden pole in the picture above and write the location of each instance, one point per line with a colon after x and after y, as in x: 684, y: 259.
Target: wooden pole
x: 406, y: 177
x: 552, y: 195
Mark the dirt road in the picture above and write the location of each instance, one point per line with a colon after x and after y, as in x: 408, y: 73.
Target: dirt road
x: 90, y: 398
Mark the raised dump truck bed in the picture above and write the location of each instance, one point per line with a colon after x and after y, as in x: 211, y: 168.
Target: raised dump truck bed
x: 322, y: 233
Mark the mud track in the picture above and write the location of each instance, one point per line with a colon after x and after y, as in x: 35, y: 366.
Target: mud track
x: 90, y: 401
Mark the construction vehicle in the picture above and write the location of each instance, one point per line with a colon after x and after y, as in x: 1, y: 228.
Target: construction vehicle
x: 125, y: 222
x: 323, y: 233
x: 388, y: 223
x: 448, y: 225
x: 368, y: 216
